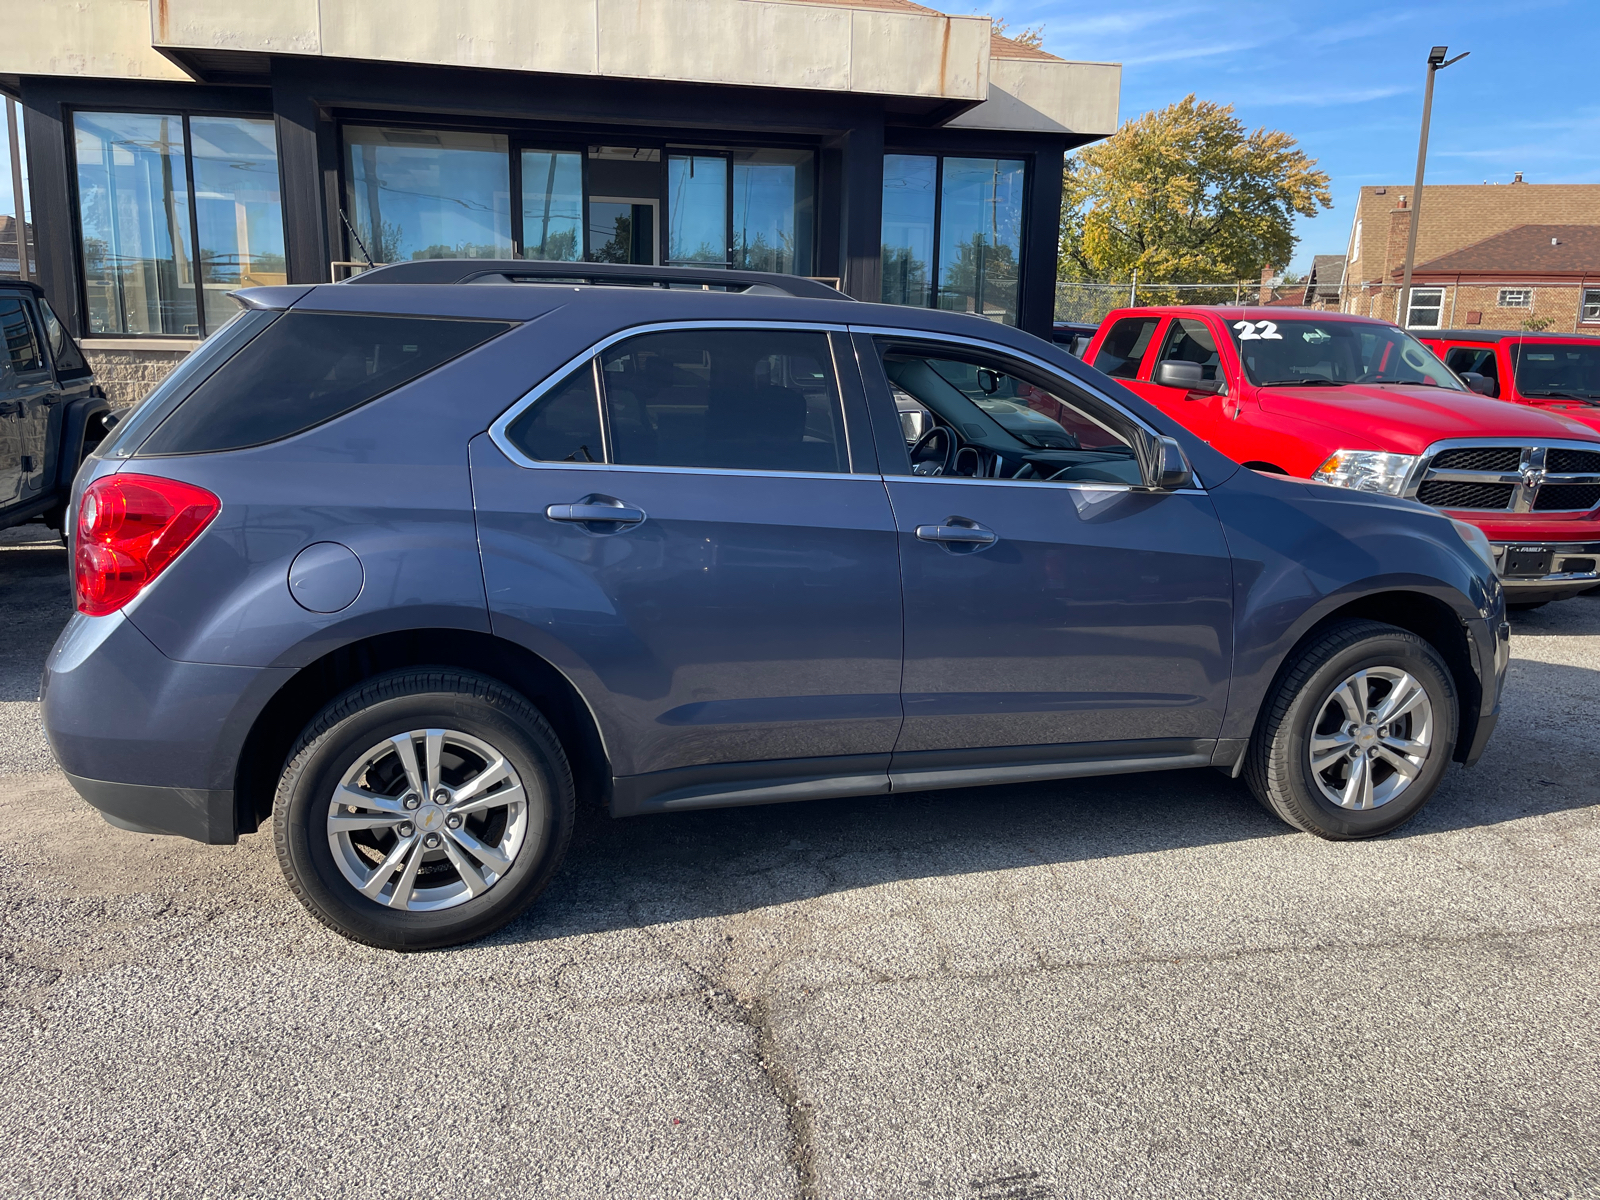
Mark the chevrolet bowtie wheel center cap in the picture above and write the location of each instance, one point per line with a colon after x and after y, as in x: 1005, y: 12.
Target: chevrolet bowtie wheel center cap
x: 430, y: 818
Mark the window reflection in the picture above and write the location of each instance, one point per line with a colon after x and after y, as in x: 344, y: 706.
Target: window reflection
x: 952, y: 233
x: 980, y: 236
x: 909, y: 182
x: 237, y: 209
x: 552, y: 205
x: 772, y: 219
x: 697, y: 210
x: 133, y: 205
x: 417, y: 194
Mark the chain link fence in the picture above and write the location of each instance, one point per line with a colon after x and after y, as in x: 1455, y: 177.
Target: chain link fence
x: 1090, y: 302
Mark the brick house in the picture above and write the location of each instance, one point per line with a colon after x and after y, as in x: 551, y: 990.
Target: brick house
x: 1455, y: 217
x: 1534, y: 276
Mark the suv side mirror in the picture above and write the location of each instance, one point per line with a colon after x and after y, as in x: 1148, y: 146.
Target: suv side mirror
x: 1179, y: 373
x: 1172, y: 470
x: 1481, y: 384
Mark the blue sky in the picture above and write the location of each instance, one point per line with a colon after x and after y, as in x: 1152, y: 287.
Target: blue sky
x: 1345, y: 78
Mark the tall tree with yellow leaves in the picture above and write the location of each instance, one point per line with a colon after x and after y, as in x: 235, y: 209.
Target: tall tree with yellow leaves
x: 1185, y: 195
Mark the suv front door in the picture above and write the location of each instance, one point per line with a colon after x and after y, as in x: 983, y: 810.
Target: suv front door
x: 1056, y: 612
x: 691, y: 525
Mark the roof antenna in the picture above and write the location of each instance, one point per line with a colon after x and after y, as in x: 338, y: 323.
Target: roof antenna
x: 360, y: 245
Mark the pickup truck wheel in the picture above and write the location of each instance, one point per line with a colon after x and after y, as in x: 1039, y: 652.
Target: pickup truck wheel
x: 422, y: 809
x: 1356, y: 733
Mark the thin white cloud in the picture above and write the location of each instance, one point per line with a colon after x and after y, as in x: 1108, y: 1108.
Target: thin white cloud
x: 1185, y: 53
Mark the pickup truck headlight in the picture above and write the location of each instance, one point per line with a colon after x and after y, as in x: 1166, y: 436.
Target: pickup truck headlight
x: 1478, y: 542
x: 1366, y: 470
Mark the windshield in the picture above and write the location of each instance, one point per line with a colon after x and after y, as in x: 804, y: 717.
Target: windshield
x: 1561, y: 369
x: 1307, y: 353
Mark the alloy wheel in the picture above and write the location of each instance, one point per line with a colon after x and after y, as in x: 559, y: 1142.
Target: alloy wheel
x: 1372, y: 737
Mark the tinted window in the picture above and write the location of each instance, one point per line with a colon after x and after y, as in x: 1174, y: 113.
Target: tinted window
x: 1473, y: 358
x: 564, y: 426
x: 1189, y: 340
x: 21, y: 347
x: 1557, y: 369
x: 752, y: 399
x: 1294, y: 351
x: 69, y: 360
x: 1124, y: 347
x: 307, y: 368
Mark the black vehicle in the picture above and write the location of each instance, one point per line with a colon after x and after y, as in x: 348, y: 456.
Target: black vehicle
x: 52, y: 415
x: 1075, y: 336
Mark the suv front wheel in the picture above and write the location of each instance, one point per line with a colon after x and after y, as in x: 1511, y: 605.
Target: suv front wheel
x: 1356, y: 732
x: 423, y: 809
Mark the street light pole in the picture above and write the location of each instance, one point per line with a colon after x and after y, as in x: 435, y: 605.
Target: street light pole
x: 1436, y: 62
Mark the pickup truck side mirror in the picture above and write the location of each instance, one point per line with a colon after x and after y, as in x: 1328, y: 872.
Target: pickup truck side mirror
x: 1481, y: 384
x: 1178, y: 373
x: 1171, y: 466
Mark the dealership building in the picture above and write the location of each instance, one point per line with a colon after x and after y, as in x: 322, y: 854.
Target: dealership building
x: 178, y: 149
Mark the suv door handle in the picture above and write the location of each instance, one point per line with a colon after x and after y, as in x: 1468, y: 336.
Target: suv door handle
x: 967, y: 532
x: 594, y: 509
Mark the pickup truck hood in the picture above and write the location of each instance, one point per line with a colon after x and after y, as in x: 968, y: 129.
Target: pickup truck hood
x: 1407, y: 420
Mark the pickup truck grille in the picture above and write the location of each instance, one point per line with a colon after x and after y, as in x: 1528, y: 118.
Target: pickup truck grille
x: 1508, y: 477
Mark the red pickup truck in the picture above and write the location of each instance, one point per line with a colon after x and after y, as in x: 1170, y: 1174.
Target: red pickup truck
x: 1559, y: 372
x: 1359, y: 403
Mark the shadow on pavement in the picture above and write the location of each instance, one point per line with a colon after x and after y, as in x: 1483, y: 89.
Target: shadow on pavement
x: 35, y: 602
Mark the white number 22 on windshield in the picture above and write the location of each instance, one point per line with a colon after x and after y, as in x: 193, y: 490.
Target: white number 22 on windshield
x: 1255, y: 331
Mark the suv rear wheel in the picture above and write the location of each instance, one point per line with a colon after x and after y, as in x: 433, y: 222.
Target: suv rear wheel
x: 1356, y: 733
x: 423, y: 809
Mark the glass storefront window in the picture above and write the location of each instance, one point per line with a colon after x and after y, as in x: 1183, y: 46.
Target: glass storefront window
x: 697, y: 210
x: 417, y: 194
x: 952, y: 233
x: 133, y: 207
x: 772, y: 199
x: 552, y: 205
x: 237, y: 209
x: 910, y: 185
x: 980, y: 236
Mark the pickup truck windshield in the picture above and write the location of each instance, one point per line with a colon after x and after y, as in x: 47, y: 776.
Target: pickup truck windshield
x: 1308, y: 353
x: 1557, y: 369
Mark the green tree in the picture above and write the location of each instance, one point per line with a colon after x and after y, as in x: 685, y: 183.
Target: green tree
x: 1186, y: 195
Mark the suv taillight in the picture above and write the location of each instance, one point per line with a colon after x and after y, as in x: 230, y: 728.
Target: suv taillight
x: 129, y: 529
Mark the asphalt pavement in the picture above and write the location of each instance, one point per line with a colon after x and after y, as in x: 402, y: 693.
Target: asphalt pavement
x: 1140, y: 986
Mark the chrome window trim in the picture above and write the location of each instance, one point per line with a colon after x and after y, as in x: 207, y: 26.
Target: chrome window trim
x: 501, y: 439
x: 1041, y: 364
x: 1532, y: 459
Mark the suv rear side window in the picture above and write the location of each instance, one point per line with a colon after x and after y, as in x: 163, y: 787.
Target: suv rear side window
x: 21, y: 346
x: 734, y: 399
x: 1124, y: 347
x: 307, y: 368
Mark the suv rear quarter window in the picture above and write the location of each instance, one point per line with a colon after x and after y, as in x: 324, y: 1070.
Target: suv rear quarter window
x: 307, y: 368
x: 1123, y: 348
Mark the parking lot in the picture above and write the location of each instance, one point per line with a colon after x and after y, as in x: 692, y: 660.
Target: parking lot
x: 1137, y: 986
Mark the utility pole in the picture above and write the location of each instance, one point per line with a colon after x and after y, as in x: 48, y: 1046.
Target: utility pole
x: 1436, y: 62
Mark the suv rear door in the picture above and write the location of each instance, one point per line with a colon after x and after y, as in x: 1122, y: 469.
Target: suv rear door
x: 29, y: 392
x: 689, y: 522
x: 1096, y: 623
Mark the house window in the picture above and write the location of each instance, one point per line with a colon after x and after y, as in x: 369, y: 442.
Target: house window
x: 424, y: 193
x: 952, y: 233
x: 1426, y: 304
x: 1591, y: 306
x: 749, y: 209
x: 174, y: 212
x: 1515, y: 298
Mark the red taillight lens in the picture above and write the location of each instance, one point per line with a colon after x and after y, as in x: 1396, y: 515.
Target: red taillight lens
x: 130, y: 527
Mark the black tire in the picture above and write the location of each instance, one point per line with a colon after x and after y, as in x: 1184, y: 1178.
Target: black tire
x: 341, y: 737
x: 1277, y: 764
x: 1526, y: 607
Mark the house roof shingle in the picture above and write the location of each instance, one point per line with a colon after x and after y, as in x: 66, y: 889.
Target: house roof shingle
x: 1531, y: 249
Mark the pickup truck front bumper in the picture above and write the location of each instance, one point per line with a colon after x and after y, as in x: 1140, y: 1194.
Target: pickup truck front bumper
x: 1535, y: 571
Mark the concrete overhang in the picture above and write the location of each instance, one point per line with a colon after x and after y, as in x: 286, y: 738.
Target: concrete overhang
x: 918, y: 60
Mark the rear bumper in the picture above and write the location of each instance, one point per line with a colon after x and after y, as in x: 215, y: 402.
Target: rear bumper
x: 1533, y: 571
x: 150, y: 742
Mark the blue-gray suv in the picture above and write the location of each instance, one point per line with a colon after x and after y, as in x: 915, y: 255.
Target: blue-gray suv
x: 413, y: 565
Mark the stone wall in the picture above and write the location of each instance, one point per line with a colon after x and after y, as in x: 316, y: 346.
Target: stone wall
x: 129, y: 375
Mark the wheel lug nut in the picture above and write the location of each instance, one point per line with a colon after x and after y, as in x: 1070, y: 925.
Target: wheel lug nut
x: 1373, y: 753
x: 407, y: 829
x: 441, y: 797
x: 431, y: 841
x: 412, y: 802
x: 1371, y: 717
x: 1355, y: 751
x: 454, y: 822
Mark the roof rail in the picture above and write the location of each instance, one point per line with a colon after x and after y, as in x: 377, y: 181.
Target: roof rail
x: 479, y: 270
